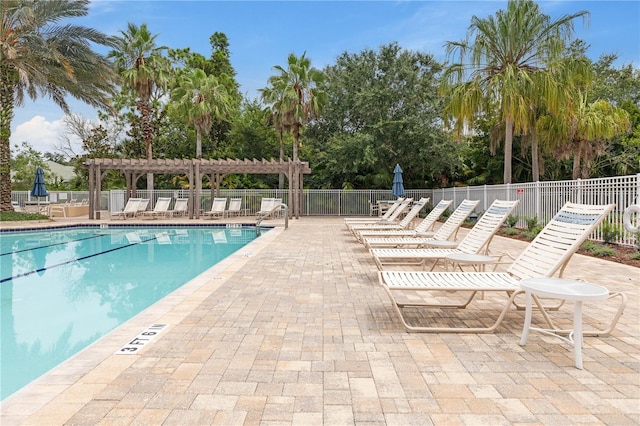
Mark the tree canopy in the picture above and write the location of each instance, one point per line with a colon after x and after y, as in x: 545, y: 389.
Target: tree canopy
x: 354, y: 119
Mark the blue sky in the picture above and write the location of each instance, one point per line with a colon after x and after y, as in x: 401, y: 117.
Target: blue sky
x: 262, y: 33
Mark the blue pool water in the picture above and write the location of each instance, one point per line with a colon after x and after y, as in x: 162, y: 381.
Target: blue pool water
x: 61, y: 290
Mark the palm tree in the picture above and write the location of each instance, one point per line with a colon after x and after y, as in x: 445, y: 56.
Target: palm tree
x: 143, y: 69
x: 501, y: 57
x: 271, y: 96
x: 297, y: 95
x: 40, y: 57
x: 200, y: 99
x: 583, y: 131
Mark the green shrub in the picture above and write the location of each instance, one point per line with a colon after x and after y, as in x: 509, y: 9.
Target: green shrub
x: 531, y: 233
x: 598, y: 249
x: 510, y: 231
x: 603, y: 251
x: 532, y: 223
x: 589, y: 245
x: 445, y: 214
x: 610, y: 232
x: 511, y: 221
x: 19, y: 216
x: 635, y: 256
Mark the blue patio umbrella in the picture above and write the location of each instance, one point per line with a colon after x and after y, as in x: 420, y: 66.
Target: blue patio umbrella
x: 39, y: 189
x: 398, y: 187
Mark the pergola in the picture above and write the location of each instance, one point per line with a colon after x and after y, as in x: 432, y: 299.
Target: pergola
x: 194, y: 169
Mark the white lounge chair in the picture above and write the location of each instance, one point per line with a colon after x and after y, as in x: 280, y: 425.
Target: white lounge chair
x: 217, y: 208
x: 180, y: 208
x: 130, y: 209
x: 235, y: 207
x: 447, y: 231
x: 270, y: 207
x: 160, y: 209
x: 391, y: 220
x: 143, y: 203
x: 402, y: 225
x: 266, y: 205
x: 545, y: 256
x: 277, y: 207
x: 475, y: 242
x: 385, y: 216
x: 425, y: 227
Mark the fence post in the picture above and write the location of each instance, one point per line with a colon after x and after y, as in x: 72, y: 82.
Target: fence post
x: 538, y: 203
x: 484, y: 195
x: 579, y: 188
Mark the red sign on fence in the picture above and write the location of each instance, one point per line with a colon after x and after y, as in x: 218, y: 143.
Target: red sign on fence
x: 520, y: 191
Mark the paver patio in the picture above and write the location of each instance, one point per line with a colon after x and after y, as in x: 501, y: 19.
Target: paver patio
x: 295, y: 330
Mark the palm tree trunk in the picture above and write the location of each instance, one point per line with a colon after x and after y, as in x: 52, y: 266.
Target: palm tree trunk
x: 6, y: 114
x: 281, y: 177
x: 508, y: 149
x: 198, y: 143
x: 576, y: 163
x: 294, y: 183
x: 147, y: 134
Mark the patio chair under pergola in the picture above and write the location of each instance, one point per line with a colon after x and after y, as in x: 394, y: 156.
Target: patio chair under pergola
x: 194, y: 169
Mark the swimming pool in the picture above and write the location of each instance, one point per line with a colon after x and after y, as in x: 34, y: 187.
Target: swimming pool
x: 63, y: 289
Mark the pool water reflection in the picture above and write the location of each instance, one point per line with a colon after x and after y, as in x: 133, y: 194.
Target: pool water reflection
x: 62, y: 290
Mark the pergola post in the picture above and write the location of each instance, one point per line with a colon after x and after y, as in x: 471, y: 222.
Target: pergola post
x: 98, y: 185
x: 290, y: 177
x: 198, y: 189
x: 195, y: 169
x: 91, y: 189
x: 191, y: 185
x: 300, y: 210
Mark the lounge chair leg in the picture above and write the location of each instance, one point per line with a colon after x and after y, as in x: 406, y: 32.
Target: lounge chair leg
x: 411, y: 328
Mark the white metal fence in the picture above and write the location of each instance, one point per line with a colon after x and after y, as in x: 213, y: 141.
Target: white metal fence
x: 542, y: 200
x: 539, y: 200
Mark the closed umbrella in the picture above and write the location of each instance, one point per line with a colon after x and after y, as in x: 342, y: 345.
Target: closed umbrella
x: 398, y: 187
x: 39, y: 189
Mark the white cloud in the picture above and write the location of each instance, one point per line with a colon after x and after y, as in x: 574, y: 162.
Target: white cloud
x: 41, y: 134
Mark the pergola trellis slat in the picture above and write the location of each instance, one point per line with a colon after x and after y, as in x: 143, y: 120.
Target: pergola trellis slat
x: 194, y: 169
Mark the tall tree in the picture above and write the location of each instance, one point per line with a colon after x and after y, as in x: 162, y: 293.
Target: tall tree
x: 383, y: 108
x: 298, y: 95
x: 497, y: 65
x: 200, y: 98
x: 40, y: 55
x: 272, y: 96
x: 583, y: 131
x: 143, y: 68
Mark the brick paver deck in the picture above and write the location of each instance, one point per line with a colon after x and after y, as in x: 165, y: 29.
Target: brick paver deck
x: 295, y: 330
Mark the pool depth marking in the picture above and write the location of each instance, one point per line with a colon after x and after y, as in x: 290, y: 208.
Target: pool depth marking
x: 141, y: 339
x: 76, y: 260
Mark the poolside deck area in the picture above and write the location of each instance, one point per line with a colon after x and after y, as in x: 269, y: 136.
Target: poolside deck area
x: 294, y: 329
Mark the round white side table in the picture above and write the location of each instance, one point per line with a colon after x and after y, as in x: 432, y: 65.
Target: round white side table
x: 565, y: 289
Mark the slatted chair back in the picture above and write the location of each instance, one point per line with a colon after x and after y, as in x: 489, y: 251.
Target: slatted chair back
x: 403, y: 206
x: 552, y: 248
x: 430, y: 220
x: 480, y: 236
x: 181, y: 207
x: 162, y: 204
x: 450, y: 227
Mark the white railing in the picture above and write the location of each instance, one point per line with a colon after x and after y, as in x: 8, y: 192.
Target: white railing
x: 543, y: 199
x: 537, y: 199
